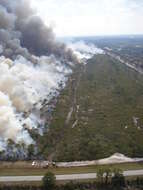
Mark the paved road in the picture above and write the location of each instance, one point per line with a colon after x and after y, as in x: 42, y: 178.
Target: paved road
x: 64, y: 177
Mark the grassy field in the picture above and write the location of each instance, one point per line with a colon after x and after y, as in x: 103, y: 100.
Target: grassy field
x: 16, y: 171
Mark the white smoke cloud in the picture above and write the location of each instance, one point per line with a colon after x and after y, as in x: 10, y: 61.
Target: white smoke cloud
x: 83, y: 50
x: 10, y: 127
x: 35, y: 72
x: 23, y: 86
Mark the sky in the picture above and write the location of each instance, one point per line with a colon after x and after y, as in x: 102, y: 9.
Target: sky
x: 91, y: 17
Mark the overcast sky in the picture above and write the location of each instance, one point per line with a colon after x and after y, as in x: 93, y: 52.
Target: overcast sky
x: 92, y: 17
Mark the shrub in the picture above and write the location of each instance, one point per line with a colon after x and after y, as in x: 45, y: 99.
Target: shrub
x: 49, y: 181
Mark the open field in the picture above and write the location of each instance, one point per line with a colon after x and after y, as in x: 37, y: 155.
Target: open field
x: 27, y: 171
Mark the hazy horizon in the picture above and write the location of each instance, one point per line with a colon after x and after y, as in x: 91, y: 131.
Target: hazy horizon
x: 103, y: 35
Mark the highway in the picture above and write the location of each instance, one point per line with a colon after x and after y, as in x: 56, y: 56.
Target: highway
x: 63, y: 177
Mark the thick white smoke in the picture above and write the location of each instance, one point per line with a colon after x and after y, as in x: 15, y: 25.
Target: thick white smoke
x: 23, y: 87
x: 10, y: 127
x: 33, y: 75
x: 35, y: 72
x: 84, y: 50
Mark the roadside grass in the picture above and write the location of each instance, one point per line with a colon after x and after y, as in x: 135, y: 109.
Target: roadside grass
x: 22, y: 184
x: 16, y: 171
x: 61, y: 182
x: 39, y: 183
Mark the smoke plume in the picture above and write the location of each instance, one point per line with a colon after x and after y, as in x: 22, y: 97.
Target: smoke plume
x: 24, y: 33
x: 84, y: 50
x: 23, y: 87
x: 26, y: 87
x: 34, y: 67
